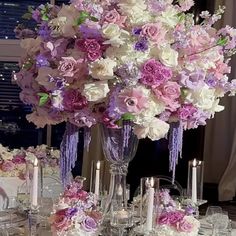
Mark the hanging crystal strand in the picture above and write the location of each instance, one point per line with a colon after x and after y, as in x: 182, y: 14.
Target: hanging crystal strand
x: 68, y: 154
x: 175, y: 146
x: 87, y: 138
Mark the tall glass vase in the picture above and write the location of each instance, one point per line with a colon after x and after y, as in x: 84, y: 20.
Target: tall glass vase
x: 119, y: 146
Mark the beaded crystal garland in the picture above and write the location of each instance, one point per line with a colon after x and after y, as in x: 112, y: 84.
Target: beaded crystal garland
x: 106, y: 61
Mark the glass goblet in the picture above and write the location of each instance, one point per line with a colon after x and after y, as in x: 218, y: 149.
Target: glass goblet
x: 213, y: 216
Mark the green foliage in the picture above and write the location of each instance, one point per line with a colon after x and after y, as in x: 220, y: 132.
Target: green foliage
x: 127, y: 116
x: 222, y: 41
x: 44, y: 97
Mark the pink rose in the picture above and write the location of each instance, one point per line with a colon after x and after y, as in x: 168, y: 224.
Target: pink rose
x: 186, y: 111
x: 91, y: 45
x: 151, y: 67
x: 132, y: 100
x: 8, y: 166
x: 18, y: 159
x: 163, y: 219
x: 73, y: 100
x: 184, y: 226
x: 168, y: 92
x: 154, y: 31
x: 69, y: 67
x: 92, y: 56
x: 61, y: 222
x: 175, y: 217
x: 154, y: 73
x: 114, y: 17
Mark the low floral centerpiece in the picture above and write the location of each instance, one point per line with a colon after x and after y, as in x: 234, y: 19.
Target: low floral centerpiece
x: 75, y: 213
x: 14, y: 163
x: 146, y: 61
x: 172, y: 220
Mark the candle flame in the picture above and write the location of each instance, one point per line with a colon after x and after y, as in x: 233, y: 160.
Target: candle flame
x: 194, y: 163
x: 98, y: 165
x: 151, y: 182
x: 35, y: 162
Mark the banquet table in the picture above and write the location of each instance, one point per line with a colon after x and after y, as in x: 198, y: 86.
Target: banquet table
x: 45, y: 231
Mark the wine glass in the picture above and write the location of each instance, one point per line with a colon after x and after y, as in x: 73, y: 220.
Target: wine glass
x: 222, y: 223
x: 213, y: 216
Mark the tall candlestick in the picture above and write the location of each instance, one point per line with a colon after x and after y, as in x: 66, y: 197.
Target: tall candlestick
x: 97, y: 178
x: 35, y: 184
x: 150, y: 205
x: 194, y: 181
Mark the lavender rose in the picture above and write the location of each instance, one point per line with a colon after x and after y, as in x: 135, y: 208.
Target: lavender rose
x: 89, y: 224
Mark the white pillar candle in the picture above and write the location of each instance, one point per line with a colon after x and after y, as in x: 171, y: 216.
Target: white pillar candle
x: 97, y: 178
x: 35, y: 184
x: 194, y: 181
x: 150, y: 205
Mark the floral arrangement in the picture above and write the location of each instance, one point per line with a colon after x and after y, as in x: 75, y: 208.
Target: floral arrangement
x: 172, y: 220
x: 14, y: 163
x: 141, y: 60
x: 76, y: 213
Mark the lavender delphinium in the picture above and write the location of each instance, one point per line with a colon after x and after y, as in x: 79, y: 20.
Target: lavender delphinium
x: 68, y: 151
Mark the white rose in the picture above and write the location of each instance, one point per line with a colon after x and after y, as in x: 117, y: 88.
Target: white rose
x: 126, y: 53
x: 168, y: 56
x: 203, y: 98
x: 155, y: 129
x: 115, y: 35
x: 135, y: 10
x: 111, y: 31
x: 31, y: 45
x: 96, y: 91
x: 154, y: 108
x: 169, y: 17
x: 102, y: 69
x: 216, y: 107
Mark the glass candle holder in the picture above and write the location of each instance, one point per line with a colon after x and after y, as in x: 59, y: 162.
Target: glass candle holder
x: 149, y: 189
x: 195, y: 180
x: 96, y: 177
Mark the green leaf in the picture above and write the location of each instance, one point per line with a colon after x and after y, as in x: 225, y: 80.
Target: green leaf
x: 181, y: 17
x: 222, y: 41
x: 44, y: 97
x: 30, y: 9
x: 92, y: 18
x: 82, y: 17
x: 45, y: 17
x: 27, y: 16
x: 127, y: 116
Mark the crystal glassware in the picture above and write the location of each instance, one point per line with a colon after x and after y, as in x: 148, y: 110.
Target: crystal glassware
x: 121, y: 218
x: 119, y: 146
x: 213, y: 216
